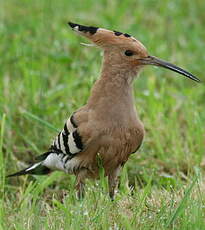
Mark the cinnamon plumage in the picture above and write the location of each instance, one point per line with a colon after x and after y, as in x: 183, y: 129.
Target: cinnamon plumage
x: 108, y: 125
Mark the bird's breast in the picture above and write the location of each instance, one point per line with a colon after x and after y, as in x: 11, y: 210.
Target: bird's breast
x: 117, y: 144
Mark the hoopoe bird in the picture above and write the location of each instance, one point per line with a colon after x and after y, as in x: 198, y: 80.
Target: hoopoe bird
x: 108, y: 125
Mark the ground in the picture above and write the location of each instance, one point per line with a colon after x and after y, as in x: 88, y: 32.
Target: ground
x: 45, y: 75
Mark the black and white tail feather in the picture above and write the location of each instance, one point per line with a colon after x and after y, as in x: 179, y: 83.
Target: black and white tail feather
x: 61, y: 153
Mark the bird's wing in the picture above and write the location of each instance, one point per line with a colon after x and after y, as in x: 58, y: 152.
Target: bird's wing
x: 71, y: 140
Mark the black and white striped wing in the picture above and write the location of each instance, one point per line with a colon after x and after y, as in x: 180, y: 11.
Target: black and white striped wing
x: 59, y: 157
x: 68, y: 140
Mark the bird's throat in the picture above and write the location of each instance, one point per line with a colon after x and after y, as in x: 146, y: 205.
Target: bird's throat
x: 114, y: 87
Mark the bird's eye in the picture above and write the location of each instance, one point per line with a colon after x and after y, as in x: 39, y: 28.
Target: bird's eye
x: 128, y: 53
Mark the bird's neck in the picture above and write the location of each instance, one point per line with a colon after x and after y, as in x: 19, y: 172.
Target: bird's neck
x: 114, y: 87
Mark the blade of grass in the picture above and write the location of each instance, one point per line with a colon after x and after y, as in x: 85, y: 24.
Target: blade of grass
x: 39, y: 120
x: 142, y: 201
x: 181, y: 205
x: 2, y: 163
x: 2, y: 173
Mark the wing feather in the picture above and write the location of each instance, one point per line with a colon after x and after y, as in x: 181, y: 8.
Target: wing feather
x: 69, y: 140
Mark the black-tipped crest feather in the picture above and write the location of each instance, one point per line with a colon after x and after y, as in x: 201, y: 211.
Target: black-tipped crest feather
x: 90, y: 29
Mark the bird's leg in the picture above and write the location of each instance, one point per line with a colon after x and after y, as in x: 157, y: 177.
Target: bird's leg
x: 113, y: 180
x: 80, y: 183
x: 80, y: 190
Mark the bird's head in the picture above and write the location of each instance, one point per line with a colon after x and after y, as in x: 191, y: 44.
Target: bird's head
x: 124, y: 51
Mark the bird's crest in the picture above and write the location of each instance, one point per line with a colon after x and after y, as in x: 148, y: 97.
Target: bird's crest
x: 107, y: 38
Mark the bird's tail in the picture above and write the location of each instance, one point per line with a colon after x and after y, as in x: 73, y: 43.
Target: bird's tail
x: 36, y: 168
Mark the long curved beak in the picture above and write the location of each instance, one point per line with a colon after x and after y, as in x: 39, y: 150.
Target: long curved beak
x: 151, y: 60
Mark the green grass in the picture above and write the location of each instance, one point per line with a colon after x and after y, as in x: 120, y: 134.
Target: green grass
x: 45, y: 75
